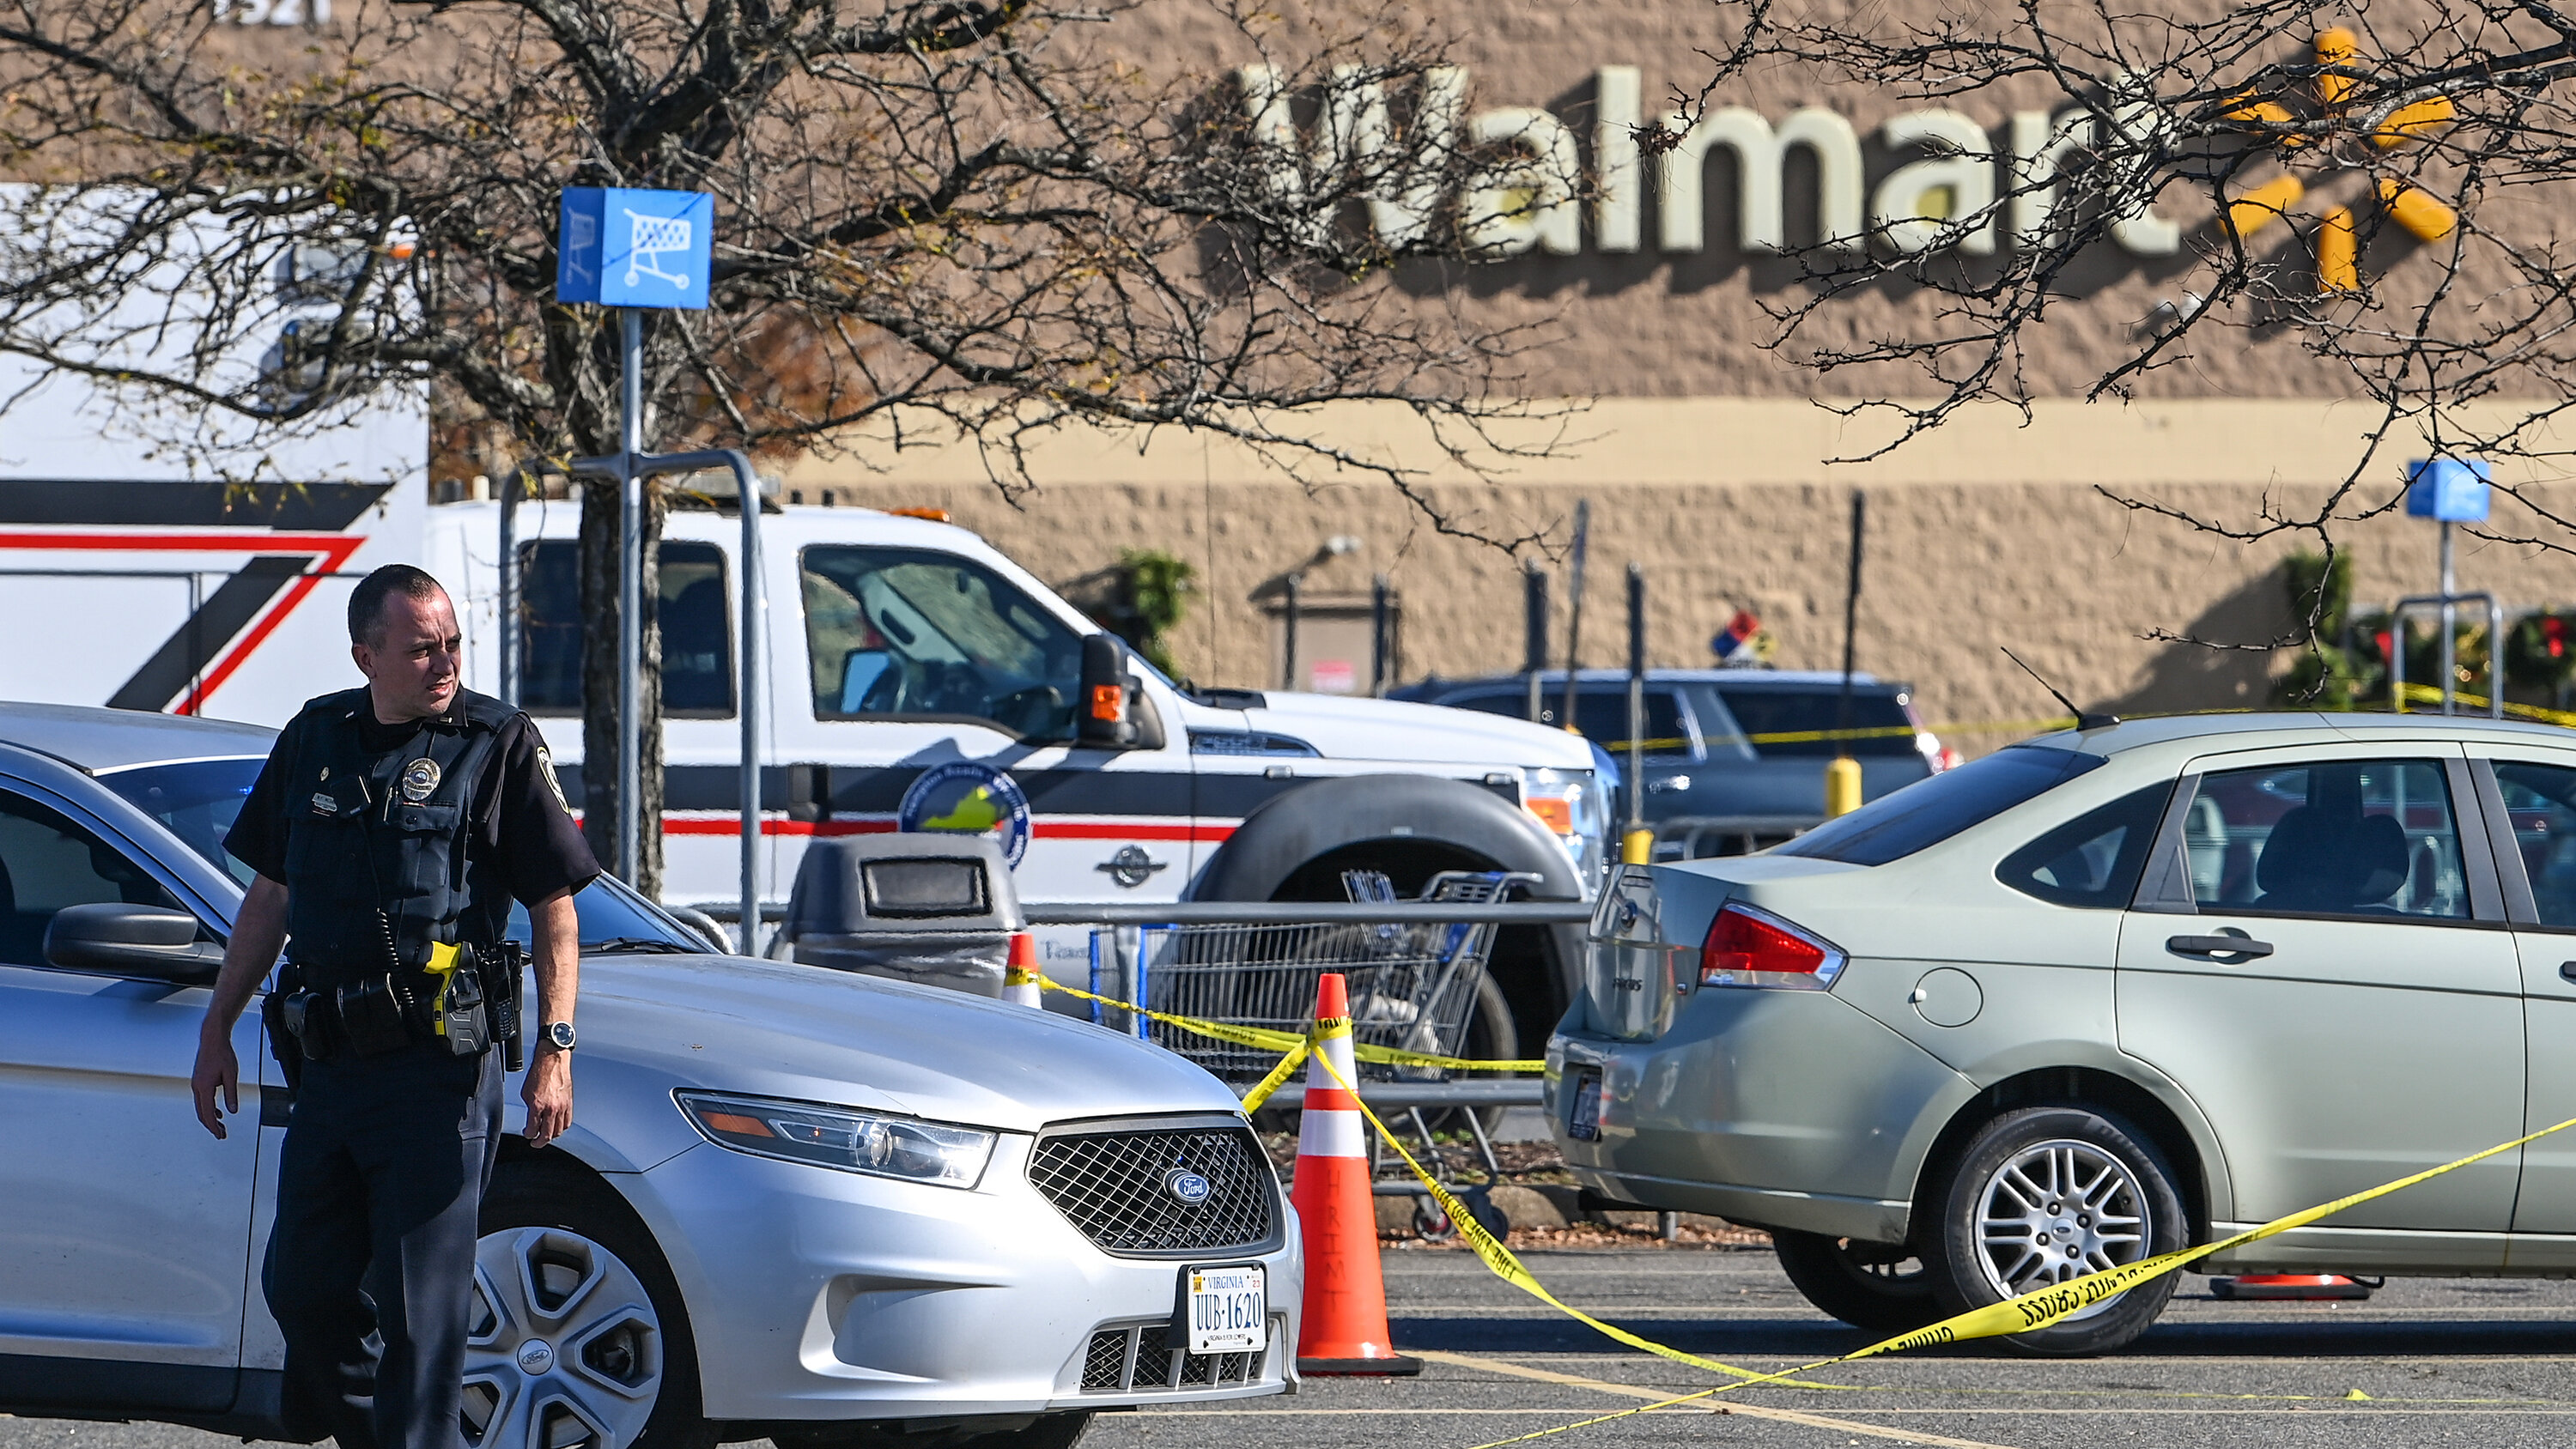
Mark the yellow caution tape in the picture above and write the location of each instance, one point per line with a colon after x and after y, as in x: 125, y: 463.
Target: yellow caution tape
x: 1280, y: 1041
x: 2016, y: 1315
x: 1278, y: 1077
x: 2531, y: 712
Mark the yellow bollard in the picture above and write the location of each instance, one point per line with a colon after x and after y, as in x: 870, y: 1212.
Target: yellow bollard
x: 1637, y: 847
x: 1842, y: 786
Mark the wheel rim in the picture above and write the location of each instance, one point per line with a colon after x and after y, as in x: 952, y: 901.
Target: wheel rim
x: 565, y: 1350
x: 2059, y: 1210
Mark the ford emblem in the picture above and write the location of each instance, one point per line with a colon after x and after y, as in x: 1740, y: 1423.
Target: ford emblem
x: 1188, y: 1187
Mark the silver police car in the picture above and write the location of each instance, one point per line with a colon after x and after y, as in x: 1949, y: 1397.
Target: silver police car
x: 824, y: 1209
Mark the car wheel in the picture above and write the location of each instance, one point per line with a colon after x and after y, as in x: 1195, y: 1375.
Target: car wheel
x: 1049, y: 1431
x: 2047, y: 1194
x: 580, y: 1340
x: 1867, y: 1285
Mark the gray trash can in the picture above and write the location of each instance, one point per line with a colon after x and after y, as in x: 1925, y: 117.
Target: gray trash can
x: 937, y: 910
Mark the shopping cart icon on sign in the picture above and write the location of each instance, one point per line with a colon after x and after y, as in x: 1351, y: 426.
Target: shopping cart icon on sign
x: 584, y: 235
x: 653, y: 236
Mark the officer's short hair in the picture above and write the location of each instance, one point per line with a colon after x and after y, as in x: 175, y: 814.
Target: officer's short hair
x: 367, y: 600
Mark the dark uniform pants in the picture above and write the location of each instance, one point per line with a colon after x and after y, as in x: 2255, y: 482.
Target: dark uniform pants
x: 370, y: 1270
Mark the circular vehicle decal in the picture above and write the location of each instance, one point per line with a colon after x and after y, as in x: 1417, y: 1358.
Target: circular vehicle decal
x: 966, y: 798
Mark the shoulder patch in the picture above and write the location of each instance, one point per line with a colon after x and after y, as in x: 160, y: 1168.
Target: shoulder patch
x: 546, y: 772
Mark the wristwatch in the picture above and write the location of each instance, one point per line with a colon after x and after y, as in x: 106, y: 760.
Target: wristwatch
x: 559, y: 1035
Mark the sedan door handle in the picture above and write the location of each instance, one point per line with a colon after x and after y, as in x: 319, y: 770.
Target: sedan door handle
x: 2567, y: 970
x: 2243, y: 948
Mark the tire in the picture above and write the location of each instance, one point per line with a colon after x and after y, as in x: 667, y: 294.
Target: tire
x: 1867, y: 1285
x: 2004, y: 1216
x: 1050, y: 1431
x: 579, y: 1330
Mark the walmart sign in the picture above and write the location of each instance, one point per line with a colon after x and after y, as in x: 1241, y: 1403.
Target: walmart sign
x: 1527, y: 201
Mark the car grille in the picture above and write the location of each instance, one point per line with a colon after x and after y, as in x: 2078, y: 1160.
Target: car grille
x: 1142, y: 1361
x: 1112, y: 1185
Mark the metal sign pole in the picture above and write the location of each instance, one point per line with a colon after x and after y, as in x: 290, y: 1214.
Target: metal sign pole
x: 750, y: 631
x: 508, y: 607
x: 2450, y: 629
x: 630, y: 594
x: 1574, y: 610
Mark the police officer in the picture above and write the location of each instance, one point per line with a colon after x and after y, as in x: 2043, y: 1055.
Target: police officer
x: 390, y: 830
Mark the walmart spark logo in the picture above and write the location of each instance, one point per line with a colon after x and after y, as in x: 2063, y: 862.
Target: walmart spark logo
x: 2337, y: 237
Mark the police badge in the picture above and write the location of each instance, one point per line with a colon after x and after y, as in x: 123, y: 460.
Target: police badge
x: 420, y: 779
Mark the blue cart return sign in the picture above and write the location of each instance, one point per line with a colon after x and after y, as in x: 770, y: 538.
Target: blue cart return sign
x: 624, y: 248
x: 2453, y: 490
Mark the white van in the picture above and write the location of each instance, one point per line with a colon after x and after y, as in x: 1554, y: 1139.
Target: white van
x: 919, y: 680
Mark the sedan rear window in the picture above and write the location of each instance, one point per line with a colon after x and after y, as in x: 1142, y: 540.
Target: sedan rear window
x: 1927, y: 812
x: 2093, y: 860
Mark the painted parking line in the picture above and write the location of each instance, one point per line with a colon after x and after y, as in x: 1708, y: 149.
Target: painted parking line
x: 1750, y: 1411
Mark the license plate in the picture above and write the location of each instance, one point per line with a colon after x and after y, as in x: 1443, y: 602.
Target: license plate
x: 1226, y: 1310
x: 1583, y: 1120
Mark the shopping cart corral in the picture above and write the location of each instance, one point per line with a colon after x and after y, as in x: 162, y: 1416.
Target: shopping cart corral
x: 1418, y: 984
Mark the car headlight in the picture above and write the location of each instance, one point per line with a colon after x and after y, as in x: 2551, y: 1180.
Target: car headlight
x: 840, y: 1138
x: 1573, y: 804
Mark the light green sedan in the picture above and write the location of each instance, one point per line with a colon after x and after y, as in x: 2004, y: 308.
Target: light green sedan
x: 2101, y: 995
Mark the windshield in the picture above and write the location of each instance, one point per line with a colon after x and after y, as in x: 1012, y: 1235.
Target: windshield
x: 196, y: 800
x: 1929, y: 811
x: 613, y: 917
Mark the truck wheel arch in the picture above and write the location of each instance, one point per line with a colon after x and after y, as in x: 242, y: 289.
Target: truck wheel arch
x: 1425, y: 821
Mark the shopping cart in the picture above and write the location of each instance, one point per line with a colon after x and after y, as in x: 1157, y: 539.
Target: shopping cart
x: 1412, y: 987
x: 653, y: 236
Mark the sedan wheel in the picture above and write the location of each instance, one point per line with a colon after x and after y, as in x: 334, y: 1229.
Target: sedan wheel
x: 2046, y: 1195
x: 578, y: 1340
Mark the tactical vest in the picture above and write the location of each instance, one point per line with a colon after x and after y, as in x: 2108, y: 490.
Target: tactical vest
x: 376, y: 862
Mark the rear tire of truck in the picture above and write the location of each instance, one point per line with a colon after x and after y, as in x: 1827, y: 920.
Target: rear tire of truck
x: 1882, y: 1288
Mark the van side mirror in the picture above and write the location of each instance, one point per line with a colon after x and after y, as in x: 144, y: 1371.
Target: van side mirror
x: 127, y: 940
x: 1105, y: 716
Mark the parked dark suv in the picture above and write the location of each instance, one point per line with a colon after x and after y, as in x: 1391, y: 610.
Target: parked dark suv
x: 1730, y: 765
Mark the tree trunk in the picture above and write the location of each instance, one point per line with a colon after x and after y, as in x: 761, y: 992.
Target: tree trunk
x: 599, y: 593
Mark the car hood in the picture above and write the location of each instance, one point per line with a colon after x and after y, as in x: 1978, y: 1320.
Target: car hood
x: 775, y: 1029
x: 1347, y: 728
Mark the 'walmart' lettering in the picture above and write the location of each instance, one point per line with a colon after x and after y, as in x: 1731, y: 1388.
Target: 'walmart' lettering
x: 1527, y: 201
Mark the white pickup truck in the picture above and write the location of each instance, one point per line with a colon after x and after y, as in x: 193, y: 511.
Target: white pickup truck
x: 917, y: 679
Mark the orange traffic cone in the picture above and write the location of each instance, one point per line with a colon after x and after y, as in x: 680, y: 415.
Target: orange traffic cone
x: 1020, y: 977
x: 1344, y: 1327
x: 2288, y: 1285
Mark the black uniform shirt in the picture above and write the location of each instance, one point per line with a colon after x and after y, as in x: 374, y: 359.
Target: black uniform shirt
x: 520, y: 819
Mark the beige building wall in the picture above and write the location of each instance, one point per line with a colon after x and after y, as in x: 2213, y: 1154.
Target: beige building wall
x: 1984, y: 535
x: 1705, y: 458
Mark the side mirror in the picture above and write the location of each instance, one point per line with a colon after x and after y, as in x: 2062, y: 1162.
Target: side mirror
x: 1105, y: 716
x: 128, y: 940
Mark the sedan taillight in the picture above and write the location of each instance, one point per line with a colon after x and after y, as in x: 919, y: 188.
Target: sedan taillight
x: 1749, y: 946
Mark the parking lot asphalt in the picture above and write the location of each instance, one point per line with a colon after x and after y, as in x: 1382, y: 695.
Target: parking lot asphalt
x: 2485, y: 1362
x: 2488, y: 1362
